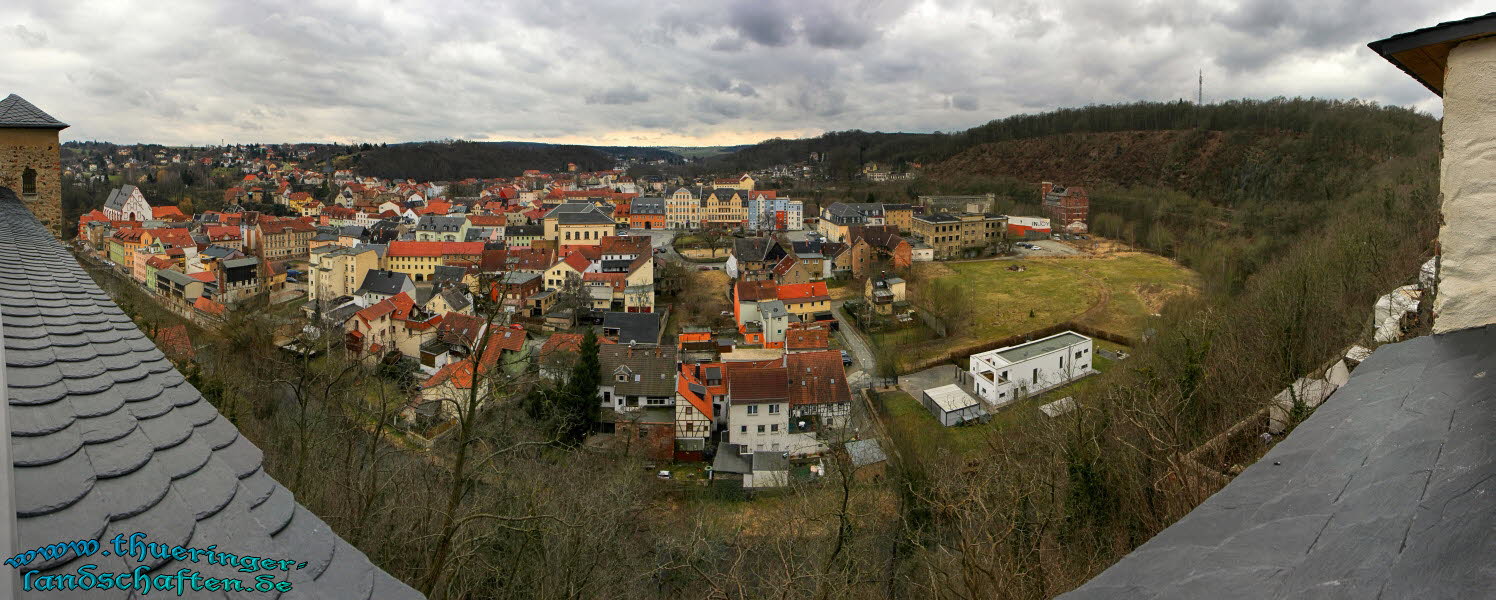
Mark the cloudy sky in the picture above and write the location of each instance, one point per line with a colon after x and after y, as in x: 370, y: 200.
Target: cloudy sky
x: 669, y: 72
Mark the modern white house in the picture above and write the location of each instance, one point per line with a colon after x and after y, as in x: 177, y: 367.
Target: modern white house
x: 1000, y: 376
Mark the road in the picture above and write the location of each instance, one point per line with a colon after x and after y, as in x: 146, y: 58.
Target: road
x: 863, y: 360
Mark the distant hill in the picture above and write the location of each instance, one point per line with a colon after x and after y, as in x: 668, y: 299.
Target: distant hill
x: 442, y: 161
x: 843, y: 152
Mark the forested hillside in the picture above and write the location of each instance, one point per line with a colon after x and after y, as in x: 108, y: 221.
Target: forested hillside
x: 445, y: 161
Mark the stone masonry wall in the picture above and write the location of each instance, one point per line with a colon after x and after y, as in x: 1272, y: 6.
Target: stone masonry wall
x: 37, y: 149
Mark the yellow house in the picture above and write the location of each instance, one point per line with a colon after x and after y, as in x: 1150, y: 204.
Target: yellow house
x: 805, y: 300
x: 337, y: 271
x: 578, y: 224
x: 725, y: 207
x: 744, y: 183
x: 419, y: 260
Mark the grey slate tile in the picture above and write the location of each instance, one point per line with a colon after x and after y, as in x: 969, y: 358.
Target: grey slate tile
x: 1384, y: 492
x: 101, y: 423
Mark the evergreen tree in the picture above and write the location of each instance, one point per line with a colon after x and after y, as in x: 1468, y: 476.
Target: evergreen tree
x: 580, y: 397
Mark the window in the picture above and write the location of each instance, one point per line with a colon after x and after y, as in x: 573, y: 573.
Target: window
x: 622, y: 377
x: 774, y: 427
x: 1078, y: 353
x: 752, y: 409
x: 636, y: 377
x: 28, y: 181
x: 1035, y: 378
x: 745, y: 429
x: 760, y: 428
x: 773, y: 409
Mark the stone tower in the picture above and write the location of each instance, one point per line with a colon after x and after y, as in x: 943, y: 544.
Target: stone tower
x: 30, y: 160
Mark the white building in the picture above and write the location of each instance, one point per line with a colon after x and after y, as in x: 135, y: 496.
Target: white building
x: 952, y: 406
x: 999, y: 376
x: 775, y: 214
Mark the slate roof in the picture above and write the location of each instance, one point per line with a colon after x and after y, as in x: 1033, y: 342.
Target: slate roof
x: 655, y: 366
x: 108, y: 438
x: 383, y: 282
x: 643, y: 328
x: 16, y: 112
x: 648, y: 206
x: 756, y: 249
x: 1383, y: 492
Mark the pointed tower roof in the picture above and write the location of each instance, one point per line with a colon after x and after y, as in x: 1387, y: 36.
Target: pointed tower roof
x: 16, y: 112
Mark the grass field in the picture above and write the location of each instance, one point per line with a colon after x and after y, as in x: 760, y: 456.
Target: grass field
x: 1116, y: 293
x: 907, y: 419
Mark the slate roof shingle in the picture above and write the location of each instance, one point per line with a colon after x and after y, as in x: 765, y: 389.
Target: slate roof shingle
x: 108, y: 438
x: 16, y: 112
x: 1383, y: 492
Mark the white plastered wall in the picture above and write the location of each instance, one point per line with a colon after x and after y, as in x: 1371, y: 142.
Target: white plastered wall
x: 1467, y: 284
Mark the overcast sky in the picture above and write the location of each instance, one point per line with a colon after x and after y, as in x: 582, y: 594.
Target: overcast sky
x: 669, y: 72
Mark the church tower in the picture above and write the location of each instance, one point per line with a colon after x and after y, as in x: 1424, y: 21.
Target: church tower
x: 30, y: 159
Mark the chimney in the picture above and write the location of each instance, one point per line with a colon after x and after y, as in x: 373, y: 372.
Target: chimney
x: 1457, y: 60
x: 1044, y: 189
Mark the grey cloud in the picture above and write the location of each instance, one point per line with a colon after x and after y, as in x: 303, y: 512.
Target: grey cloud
x: 286, y: 70
x: 33, y: 38
x: 763, y: 21
x: 620, y: 95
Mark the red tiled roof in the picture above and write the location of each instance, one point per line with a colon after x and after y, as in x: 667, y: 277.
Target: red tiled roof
x: 173, y: 237
x: 567, y: 342
x: 683, y: 388
x: 208, y: 306
x: 817, y: 378
x: 486, y: 220
x: 461, y: 372
x: 161, y: 212
x: 576, y: 261
x: 807, y: 338
x: 377, y: 310
x: 749, y: 385
x: 203, y: 276
x: 222, y: 232
x: 804, y: 292
x: 754, y: 291
x: 409, y: 248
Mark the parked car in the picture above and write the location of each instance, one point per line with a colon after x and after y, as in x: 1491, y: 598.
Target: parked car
x: 846, y: 358
x: 703, y: 268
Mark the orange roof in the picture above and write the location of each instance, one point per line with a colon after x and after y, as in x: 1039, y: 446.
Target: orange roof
x: 576, y: 261
x: 93, y: 215
x: 377, y: 310
x: 461, y: 372
x: 403, y: 303
x: 129, y: 234
x: 815, y: 290
x: 409, y: 248
x: 222, y: 232
x: 203, y: 276
x: 208, y: 306
x: 173, y: 237
x: 817, y: 378
x: 754, y: 291
x: 807, y: 338
x: 568, y: 342
x: 683, y: 387
x: 160, y: 212
x: 486, y: 220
